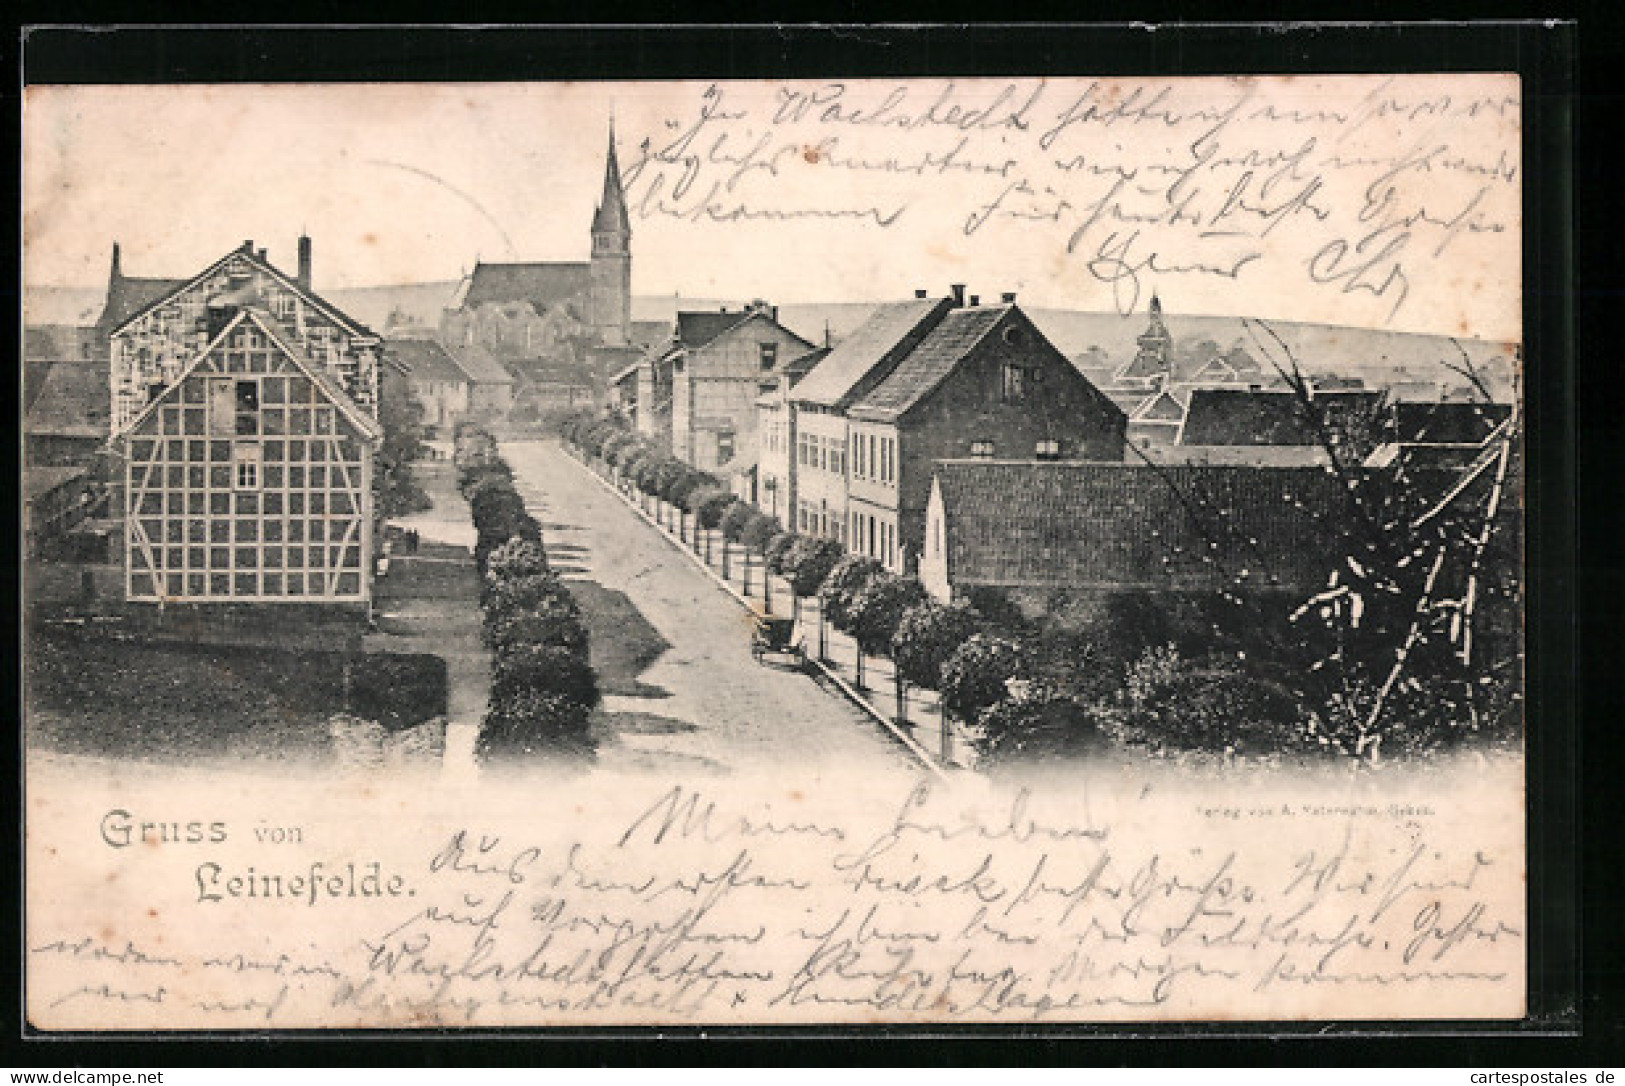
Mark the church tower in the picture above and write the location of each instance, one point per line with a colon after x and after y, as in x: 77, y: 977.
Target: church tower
x: 611, y: 274
x: 1152, y: 365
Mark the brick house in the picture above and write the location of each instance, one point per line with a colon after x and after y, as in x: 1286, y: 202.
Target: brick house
x: 984, y: 382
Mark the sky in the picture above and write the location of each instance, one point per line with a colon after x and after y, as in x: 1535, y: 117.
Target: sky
x: 1365, y: 201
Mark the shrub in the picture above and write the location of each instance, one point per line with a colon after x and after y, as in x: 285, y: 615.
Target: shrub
x: 1171, y: 704
x: 555, y: 621
x: 546, y: 669
x: 518, y: 557
x: 997, y: 609
x: 1037, y: 725
x: 516, y: 594
x: 975, y: 676
x: 759, y: 531
x: 808, y: 563
x: 927, y: 634
x: 398, y: 690
x: 845, y: 579
x: 534, y: 723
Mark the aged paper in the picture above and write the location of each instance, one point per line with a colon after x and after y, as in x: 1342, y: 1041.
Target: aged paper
x: 215, y: 841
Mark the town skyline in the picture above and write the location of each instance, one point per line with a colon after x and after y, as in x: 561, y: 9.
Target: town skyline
x: 409, y: 184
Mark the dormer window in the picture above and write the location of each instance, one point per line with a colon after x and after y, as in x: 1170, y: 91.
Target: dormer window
x: 982, y: 450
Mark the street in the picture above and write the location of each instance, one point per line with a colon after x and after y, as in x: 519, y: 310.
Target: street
x: 682, y: 692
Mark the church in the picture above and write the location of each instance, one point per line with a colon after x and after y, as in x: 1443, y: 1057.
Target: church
x: 555, y: 311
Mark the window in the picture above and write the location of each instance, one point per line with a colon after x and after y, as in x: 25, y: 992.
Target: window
x: 982, y: 450
x: 248, y: 407
x: 725, y: 446
x: 1016, y: 379
x: 246, y: 466
x: 1048, y: 450
x: 770, y: 355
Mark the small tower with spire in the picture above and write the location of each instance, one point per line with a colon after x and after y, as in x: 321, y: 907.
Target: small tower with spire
x: 611, y: 267
x: 1151, y: 366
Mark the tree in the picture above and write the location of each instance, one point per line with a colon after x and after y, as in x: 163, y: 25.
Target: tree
x: 1037, y: 724
x: 927, y: 634
x: 735, y: 519
x: 874, y: 612
x: 839, y: 589
x: 977, y: 674
x: 396, y: 492
x: 777, y: 550
x: 808, y: 562
x: 759, y: 531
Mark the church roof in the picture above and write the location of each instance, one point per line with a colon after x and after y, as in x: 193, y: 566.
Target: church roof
x: 610, y: 217
x: 543, y: 285
x: 480, y: 365
x: 424, y: 359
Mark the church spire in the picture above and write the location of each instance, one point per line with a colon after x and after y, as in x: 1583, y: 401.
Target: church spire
x: 611, y: 217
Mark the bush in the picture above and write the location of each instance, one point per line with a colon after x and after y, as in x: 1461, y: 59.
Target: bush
x: 839, y: 589
x: 997, y: 609
x: 1170, y: 704
x: 534, y: 723
x: 555, y: 620
x: 518, y: 557
x: 977, y: 674
x: 808, y: 562
x: 547, y: 669
x: 760, y: 531
x: 398, y: 690
x: 513, y: 595
x: 1037, y: 725
x: 927, y: 634
x: 483, y: 472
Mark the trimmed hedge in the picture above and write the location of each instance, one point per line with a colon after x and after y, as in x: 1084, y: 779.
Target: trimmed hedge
x: 398, y: 690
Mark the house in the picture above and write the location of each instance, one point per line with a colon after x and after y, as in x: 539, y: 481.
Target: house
x: 717, y: 364
x: 490, y: 383
x: 1030, y: 528
x: 543, y: 309
x: 1158, y: 418
x: 56, y: 500
x: 817, y: 429
x: 437, y: 382
x: 245, y: 411
x: 772, y: 487
x: 983, y: 382
x: 66, y: 414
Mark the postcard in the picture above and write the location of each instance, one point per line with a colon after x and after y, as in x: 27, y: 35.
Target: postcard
x: 756, y: 553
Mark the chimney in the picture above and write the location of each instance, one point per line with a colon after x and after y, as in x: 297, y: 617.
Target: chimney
x: 975, y: 300
x: 921, y: 293
x: 1008, y: 297
x: 262, y: 255
x: 248, y: 246
x: 304, y: 261
x: 117, y: 271
x: 958, y: 290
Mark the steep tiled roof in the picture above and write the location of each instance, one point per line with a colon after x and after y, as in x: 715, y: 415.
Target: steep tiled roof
x: 875, y: 344
x: 542, y: 285
x: 1072, y: 524
x: 480, y: 365
x: 425, y: 359
x: 934, y: 359
x: 127, y: 296
x: 696, y: 329
x: 1226, y: 416
x: 73, y: 400
x: 1446, y: 423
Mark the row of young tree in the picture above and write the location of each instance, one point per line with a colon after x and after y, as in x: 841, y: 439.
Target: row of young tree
x: 1385, y: 662
x: 543, y: 688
